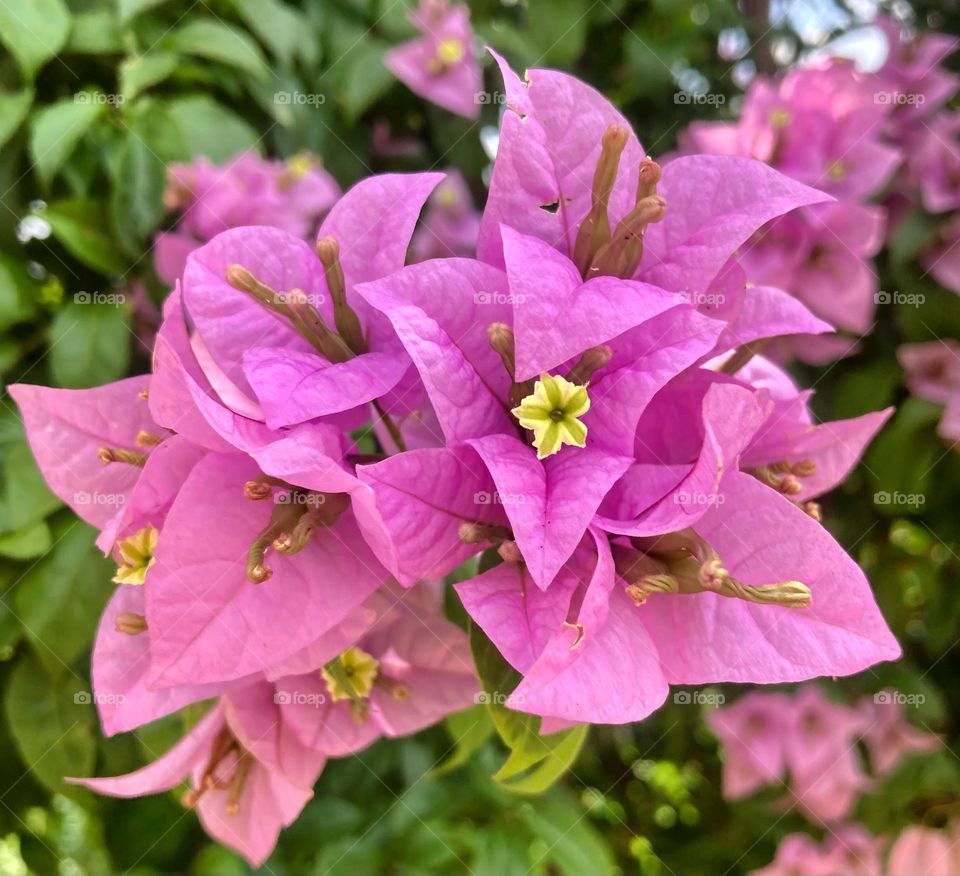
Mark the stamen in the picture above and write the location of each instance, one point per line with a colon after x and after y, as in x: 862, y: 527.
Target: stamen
x: 621, y: 255
x: 118, y: 454
x: 687, y: 575
x: 242, y: 279
x: 477, y: 533
x: 283, y: 519
x: 399, y: 690
x: 812, y: 509
x: 344, y: 316
x: 594, y: 231
x: 244, y: 763
x: 324, y: 510
x: 308, y: 321
x: 590, y: 363
x: 741, y: 356
x: 509, y: 552
x: 130, y: 623
x: 147, y: 439
x: 144, y: 394
x: 501, y: 340
x: 257, y: 491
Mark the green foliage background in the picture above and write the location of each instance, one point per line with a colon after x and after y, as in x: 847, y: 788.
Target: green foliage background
x: 96, y: 97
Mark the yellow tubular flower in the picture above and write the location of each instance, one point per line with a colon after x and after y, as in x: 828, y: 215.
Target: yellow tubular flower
x: 135, y: 556
x: 360, y: 670
x: 551, y: 413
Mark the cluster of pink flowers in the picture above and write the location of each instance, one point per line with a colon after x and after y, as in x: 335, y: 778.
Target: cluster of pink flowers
x: 808, y: 746
x: 768, y: 737
x: 918, y: 89
x: 852, y: 850
x: 248, y: 190
x: 824, y: 126
x: 932, y: 370
x: 580, y: 406
x: 441, y: 65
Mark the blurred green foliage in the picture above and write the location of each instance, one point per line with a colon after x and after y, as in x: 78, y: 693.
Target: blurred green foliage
x: 96, y: 98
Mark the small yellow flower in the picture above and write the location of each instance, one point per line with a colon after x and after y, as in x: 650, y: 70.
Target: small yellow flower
x: 135, y: 556
x: 551, y: 413
x: 450, y: 51
x: 780, y: 118
x: 354, y: 676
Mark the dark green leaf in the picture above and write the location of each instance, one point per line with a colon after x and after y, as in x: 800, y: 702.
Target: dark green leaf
x: 77, y: 225
x: 14, y: 106
x: 217, y: 41
x: 56, y: 130
x: 34, y: 31
x: 89, y: 343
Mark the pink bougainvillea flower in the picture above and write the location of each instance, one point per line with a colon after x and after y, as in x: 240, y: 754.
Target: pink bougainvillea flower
x: 888, y: 735
x: 293, y: 195
x: 450, y: 223
x: 933, y: 373
x: 250, y: 775
x: 922, y: 851
x: 76, y: 435
x: 933, y: 164
x: 942, y: 258
x: 441, y: 64
x: 847, y: 848
x: 821, y: 255
x: 751, y: 731
x: 586, y: 189
x: 821, y: 125
x: 271, y: 313
x: 916, y: 84
x: 407, y: 672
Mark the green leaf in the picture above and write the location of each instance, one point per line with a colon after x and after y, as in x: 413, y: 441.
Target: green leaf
x: 216, y: 41
x: 14, y: 106
x: 572, y: 844
x: 16, y: 293
x: 95, y: 33
x: 364, y: 79
x: 136, y: 200
x: 27, y: 499
x: 535, y: 762
x: 51, y: 722
x: 78, y: 226
x: 469, y: 729
x: 34, y: 31
x: 211, y: 129
x: 56, y: 130
x: 563, y: 749
x: 89, y: 343
x: 144, y: 71
x: 60, y: 598
x: 127, y: 9
x: 27, y: 543
x: 281, y: 28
